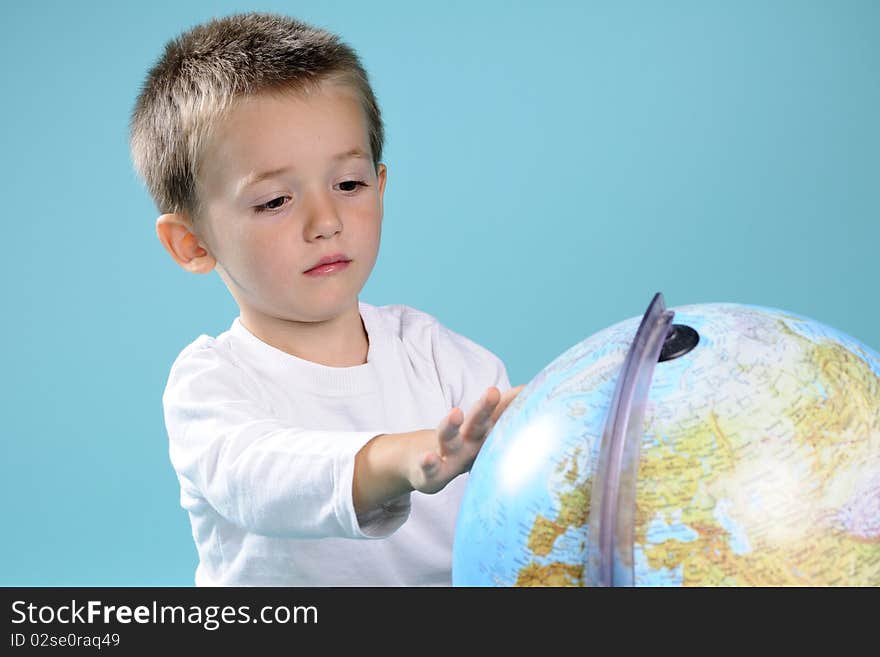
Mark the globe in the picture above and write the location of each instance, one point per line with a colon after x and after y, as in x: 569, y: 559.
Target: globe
x: 704, y: 445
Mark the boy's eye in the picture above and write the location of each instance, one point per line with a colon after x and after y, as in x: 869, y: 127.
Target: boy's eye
x: 351, y: 185
x: 271, y: 205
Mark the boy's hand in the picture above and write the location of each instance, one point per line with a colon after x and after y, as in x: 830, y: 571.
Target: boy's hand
x: 390, y: 465
x: 453, y: 446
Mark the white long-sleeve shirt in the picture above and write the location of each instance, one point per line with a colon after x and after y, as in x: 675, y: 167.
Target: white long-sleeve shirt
x: 264, y: 443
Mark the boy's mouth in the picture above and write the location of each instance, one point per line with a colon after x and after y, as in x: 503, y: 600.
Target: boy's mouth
x: 329, y: 264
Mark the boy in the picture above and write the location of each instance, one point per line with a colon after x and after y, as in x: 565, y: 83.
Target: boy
x: 306, y: 425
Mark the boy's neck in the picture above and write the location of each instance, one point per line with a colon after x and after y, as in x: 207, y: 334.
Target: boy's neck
x: 338, y: 342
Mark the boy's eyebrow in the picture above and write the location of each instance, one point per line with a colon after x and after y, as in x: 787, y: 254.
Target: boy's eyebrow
x: 259, y: 177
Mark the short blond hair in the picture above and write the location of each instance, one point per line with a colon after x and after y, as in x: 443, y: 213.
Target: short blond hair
x: 202, y: 71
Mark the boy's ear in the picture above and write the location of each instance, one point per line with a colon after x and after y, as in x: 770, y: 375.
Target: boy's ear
x: 382, y: 177
x: 174, y: 231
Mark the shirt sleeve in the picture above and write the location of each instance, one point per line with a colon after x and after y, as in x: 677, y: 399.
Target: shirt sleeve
x: 256, y: 471
x: 465, y: 368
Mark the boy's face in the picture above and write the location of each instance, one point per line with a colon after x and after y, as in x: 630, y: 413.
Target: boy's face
x: 326, y: 200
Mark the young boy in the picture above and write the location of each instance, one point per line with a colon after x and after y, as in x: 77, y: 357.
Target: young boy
x: 316, y: 419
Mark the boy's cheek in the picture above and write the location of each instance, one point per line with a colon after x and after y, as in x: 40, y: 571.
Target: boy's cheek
x: 274, y: 270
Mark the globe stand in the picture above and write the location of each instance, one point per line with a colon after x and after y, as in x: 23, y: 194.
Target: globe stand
x: 610, y: 561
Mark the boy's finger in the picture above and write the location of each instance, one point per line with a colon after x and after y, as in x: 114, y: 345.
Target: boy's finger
x: 448, y: 433
x: 449, y: 427
x: 482, y: 410
x: 430, y: 464
x: 476, y: 424
x: 506, y: 398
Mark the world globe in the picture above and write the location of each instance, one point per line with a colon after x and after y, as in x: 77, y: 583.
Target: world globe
x: 737, y: 445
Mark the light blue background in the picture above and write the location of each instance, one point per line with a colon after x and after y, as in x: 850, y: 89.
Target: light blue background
x: 551, y: 167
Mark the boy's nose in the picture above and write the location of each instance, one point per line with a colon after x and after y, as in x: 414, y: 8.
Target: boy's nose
x: 323, y: 220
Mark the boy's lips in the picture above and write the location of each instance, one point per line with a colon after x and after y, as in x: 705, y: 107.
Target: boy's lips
x: 329, y: 264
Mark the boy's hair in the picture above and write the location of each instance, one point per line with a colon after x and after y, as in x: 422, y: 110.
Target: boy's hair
x: 205, y: 69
